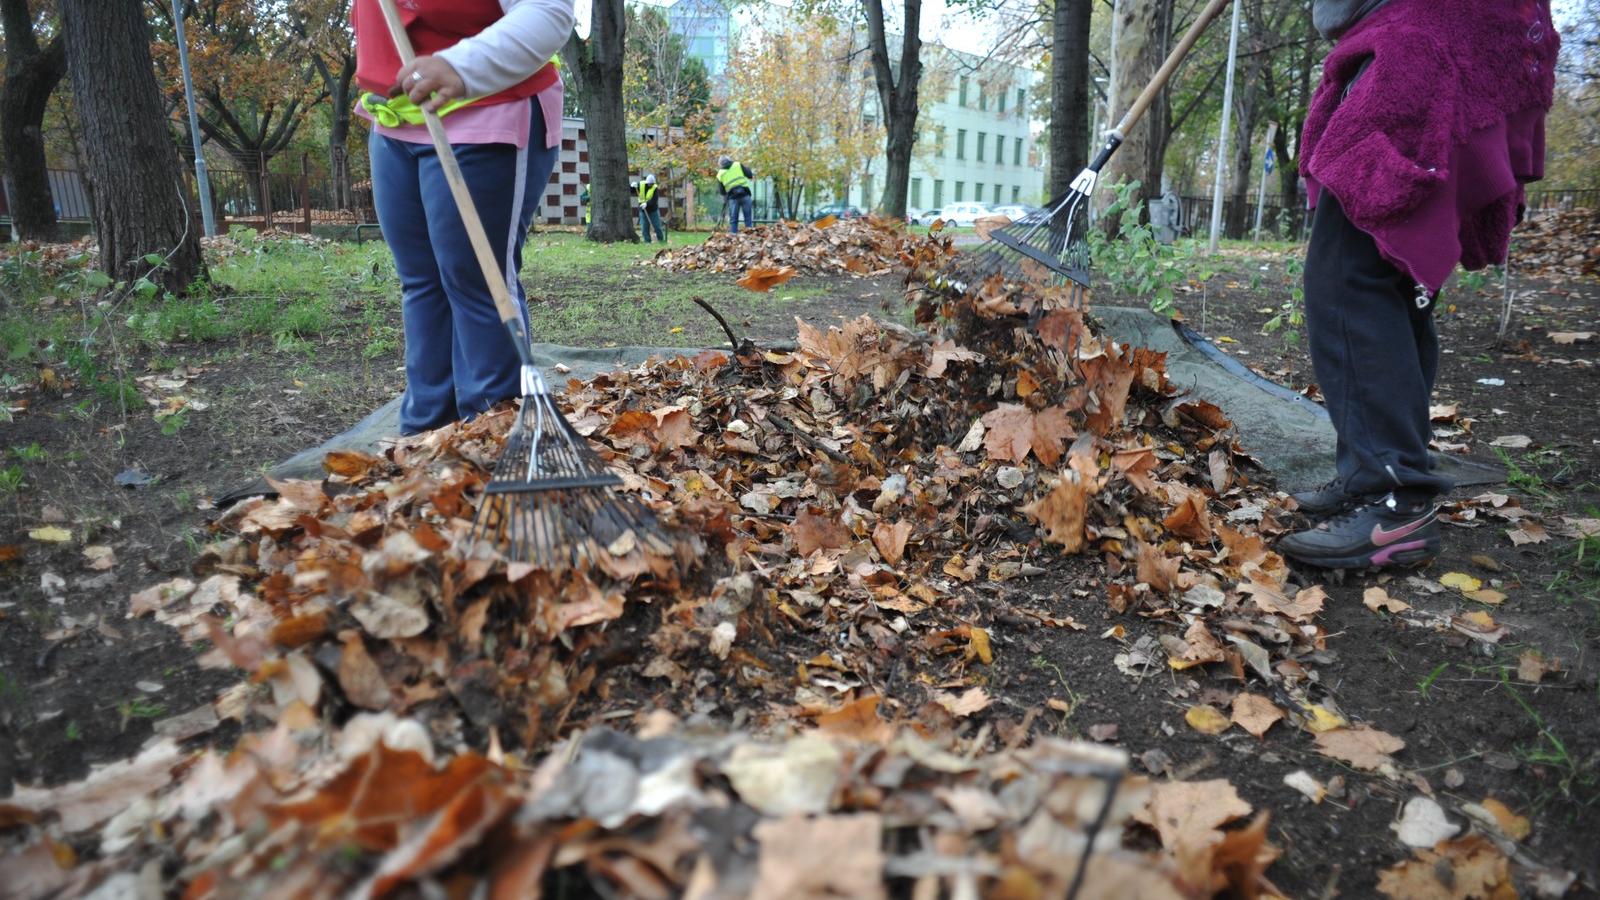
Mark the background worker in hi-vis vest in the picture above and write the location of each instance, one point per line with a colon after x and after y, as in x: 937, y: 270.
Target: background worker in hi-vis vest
x: 733, y: 181
x: 650, y: 209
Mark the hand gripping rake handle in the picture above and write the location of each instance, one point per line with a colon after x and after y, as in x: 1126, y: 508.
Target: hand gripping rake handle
x: 503, y: 304
x: 1148, y: 95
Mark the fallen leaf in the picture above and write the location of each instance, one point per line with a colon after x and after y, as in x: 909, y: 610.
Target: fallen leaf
x: 813, y: 531
x: 51, y: 534
x: 1423, y: 823
x: 1255, y: 713
x: 1571, y: 337
x: 1528, y: 532
x: 1013, y: 431
x: 1306, y: 604
x: 765, y: 278
x: 1467, y: 869
x: 1061, y: 511
x: 1512, y: 441
x: 1188, y: 815
x: 1206, y: 719
x: 360, y: 677
x: 1302, y: 781
x: 1486, y: 595
x: 1360, y: 745
x: 350, y: 464
x: 1156, y: 569
x: 99, y: 558
x: 795, y: 777
x: 1531, y: 666
x: 1377, y: 598
x: 1461, y: 581
x: 891, y: 540
x: 978, y: 647
x: 1514, y: 826
x: 826, y: 856
x: 971, y: 701
x: 108, y: 790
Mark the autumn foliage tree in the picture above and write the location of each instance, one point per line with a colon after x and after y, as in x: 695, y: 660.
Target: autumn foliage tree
x: 796, y: 111
x: 32, y: 70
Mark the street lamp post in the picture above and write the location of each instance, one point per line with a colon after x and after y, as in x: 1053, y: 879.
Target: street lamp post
x: 1222, y: 136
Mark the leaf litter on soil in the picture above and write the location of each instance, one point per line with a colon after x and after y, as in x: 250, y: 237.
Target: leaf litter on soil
x: 769, y: 255
x: 420, y: 708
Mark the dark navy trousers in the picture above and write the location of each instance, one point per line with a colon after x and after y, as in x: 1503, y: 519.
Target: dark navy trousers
x: 459, y: 360
x: 1375, y: 354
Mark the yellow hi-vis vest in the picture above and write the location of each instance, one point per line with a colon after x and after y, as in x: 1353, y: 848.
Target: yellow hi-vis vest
x: 733, y: 176
x: 646, y: 192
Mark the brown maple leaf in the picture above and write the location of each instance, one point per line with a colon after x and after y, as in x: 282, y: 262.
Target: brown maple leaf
x: 765, y: 278
x: 1013, y: 431
x: 813, y: 530
x: 1061, y: 511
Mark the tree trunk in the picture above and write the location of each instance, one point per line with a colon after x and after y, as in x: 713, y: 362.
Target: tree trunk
x: 1135, y: 55
x: 597, y: 68
x: 898, y: 99
x: 139, y: 206
x: 339, y: 134
x: 31, y: 76
x: 1069, y: 93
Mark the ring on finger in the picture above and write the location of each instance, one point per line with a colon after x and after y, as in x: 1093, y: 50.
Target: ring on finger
x: 416, y: 76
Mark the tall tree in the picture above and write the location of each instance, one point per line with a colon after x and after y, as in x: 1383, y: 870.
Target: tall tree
x: 323, y: 26
x: 1136, y: 44
x: 897, y: 83
x: 139, y: 198
x: 1069, y: 91
x: 595, y: 66
x: 32, y: 73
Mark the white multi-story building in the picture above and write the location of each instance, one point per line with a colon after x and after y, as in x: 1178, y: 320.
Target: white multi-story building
x: 975, y: 141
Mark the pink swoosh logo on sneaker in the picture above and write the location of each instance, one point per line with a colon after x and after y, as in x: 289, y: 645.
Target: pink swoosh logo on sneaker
x: 1382, y: 538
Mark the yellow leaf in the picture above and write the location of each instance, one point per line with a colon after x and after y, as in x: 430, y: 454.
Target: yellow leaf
x: 1207, y: 719
x: 1480, y: 619
x: 1320, y: 719
x: 1516, y: 827
x: 1486, y: 595
x: 1224, y: 339
x: 52, y: 533
x: 978, y: 645
x: 1377, y: 598
x: 1461, y: 581
x: 677, y: 329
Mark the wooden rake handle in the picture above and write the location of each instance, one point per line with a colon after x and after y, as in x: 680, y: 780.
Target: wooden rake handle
x: 503, y: 304
x: 1148, y: 95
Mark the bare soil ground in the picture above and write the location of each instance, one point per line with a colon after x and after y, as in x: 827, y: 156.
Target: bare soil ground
x: 80, y: 683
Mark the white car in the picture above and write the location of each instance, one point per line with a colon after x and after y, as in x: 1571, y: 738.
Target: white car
x: 927, y: 216
x: 1012, y: 211
x: 962, y: 215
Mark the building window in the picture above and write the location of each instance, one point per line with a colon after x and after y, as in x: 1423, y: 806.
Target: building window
x: 866, y: 191
x: 961, y: 143
x: 916, y: 192
x: 997, y: 193
x: 983, y: 99
x: 1016, y: 153
x: 1002, y: 95
x: 977, y: 192
x: 938, y: 192
x: 1021, y: 100
x: 983, y: 141
x: 961, y: 191
x: 1016, y: 193
x: 1000, y: 149
x: 961, y: 99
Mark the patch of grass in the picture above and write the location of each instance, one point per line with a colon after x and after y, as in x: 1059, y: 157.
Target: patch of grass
x: 139, y: 708
x: 1522, y: 479
x: 1426, y: 684
x: 74, y: 731
x: 31, y: 453
x: 571, y: 254
x: 10, y: 480
x: 1573, y: 774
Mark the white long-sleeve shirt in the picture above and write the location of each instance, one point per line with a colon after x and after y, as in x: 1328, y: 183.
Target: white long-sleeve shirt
x: 513, y: 48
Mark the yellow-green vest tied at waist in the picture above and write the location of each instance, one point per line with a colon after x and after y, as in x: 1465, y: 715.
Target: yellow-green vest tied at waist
x: 392, y: 112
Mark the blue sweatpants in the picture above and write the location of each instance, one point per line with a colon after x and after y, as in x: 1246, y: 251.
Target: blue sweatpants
x: 741, y: 205
x: 459, y: 360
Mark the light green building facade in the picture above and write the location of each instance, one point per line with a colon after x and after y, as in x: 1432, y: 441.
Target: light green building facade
x: 975, y: 142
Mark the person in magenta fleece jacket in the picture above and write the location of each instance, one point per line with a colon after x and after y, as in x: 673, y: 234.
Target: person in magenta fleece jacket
x: 1428, y: 121
x: 486, y: 67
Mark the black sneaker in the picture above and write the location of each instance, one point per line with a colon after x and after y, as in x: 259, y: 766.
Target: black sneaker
x: 1380, y: 532
x: 1325, y: 500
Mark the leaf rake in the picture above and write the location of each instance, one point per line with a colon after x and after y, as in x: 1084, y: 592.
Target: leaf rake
x: 551, y: 500
x: 1050, y: 246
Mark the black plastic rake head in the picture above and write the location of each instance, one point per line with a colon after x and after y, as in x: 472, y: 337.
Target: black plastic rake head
x: 1047, y: 247
x: 551, y: 501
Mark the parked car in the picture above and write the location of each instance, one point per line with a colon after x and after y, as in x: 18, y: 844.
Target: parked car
x: 963, y: 215
x: 927, y: 216
x: 841, y: 210
x: 1013, y: 211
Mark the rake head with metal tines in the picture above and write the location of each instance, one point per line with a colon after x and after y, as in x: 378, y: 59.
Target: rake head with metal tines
x: 551, y: 501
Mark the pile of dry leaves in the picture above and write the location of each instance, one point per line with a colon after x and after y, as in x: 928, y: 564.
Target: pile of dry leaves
x: 1559, y: 245
x: 421, y: 708
x: 828, y: 246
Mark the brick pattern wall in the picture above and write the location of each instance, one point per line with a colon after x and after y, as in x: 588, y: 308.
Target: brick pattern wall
x: 561, y: 206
